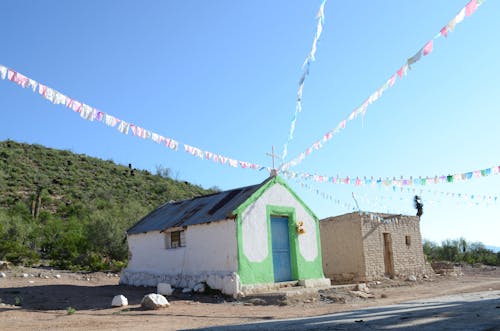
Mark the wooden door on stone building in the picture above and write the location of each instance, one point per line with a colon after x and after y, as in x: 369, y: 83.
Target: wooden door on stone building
x: 388, y: 256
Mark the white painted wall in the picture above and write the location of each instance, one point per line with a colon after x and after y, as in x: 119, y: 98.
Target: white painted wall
x: 209, y: 247
x: 254, y: 225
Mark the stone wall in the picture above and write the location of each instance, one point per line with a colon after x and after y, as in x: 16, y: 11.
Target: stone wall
x: 408, y: 256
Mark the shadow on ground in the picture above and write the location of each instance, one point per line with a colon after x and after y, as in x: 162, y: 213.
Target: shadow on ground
x: 482, y: 314
x: 56, y: 297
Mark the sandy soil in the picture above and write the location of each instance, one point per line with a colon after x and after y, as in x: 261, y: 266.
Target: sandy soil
x: 41, y: 300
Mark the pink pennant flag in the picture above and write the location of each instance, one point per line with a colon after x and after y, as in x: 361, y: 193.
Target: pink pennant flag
x: 76, y: 106
x: 157, y: 138
x: 471, y: 7
x: 172, y: 144
x: 134, y: 129
x: 342, y: 124
x: 208, y: 155
x: 11, y: 75
x: 444, y: 31
x: 20, y: 79
x: 427, y: 48
x: 402, y: 71
x: 140, y: 132
x: 41, y: 89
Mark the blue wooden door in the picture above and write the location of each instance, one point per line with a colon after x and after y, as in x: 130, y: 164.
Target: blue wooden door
x: 281, y: 249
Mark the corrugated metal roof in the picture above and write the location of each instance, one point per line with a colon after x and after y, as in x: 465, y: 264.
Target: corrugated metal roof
x: 199, y: 210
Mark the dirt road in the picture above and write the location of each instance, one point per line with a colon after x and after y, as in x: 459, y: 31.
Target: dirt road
x: 41, y: 300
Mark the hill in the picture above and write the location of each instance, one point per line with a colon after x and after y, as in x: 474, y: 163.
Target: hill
x: 71, y: 209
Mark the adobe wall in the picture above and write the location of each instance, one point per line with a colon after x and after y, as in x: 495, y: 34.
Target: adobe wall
x: 210, y: 256
x: 342, y: 250
x: 408, y: 258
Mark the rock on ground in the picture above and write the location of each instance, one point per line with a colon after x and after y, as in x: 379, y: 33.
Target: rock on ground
x: 362, y: 288
x: 412, y: 278
x: 154, y: 301
x: 119, y: 301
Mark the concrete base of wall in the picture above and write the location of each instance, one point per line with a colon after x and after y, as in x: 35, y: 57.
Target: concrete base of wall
x: 315, y: 283
x: 227, y: 283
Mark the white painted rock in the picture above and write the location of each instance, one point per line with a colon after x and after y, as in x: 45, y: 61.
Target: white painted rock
x: 154, y: 301
x: 2, y: 275
x: 363, y: 288
x: 58, y: 276
x: 25, y: 275
x: 412, y: 278
x: 199, y: 288
x: 119, y: 301
x: 164, y: 289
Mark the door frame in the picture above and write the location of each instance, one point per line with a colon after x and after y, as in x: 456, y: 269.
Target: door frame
x: 388, y: 254
x: 289, y: 212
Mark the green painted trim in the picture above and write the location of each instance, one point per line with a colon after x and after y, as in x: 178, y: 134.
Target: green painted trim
x: 288, y: 212
x: 252, y: 272
x: 257, y: 194
x: 262, y: 272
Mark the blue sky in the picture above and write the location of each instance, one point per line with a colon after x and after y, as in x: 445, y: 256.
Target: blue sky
x: 223, y: 76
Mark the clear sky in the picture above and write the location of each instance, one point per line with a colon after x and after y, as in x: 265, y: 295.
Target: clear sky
x: 223, y: 76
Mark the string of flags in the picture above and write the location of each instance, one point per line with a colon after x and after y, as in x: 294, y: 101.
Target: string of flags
x: 384, y: 202
x: 305, y: 66
x: 89, y: 113
x: 92, y: 114
x: 466, y: 11
x: 396, y: 182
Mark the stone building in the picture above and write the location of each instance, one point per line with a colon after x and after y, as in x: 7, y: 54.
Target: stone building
x: 360, y: 247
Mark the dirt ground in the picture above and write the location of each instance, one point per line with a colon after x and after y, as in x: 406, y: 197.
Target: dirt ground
x: 44, y: 299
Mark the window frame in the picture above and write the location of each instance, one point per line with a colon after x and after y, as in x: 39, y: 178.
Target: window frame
x: 180, y: 236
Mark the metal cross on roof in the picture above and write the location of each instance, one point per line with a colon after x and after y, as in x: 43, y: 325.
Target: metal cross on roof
x: 274, y: 171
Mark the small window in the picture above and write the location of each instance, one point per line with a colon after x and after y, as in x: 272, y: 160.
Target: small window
x: 408, y: 240
x: 175, y: 239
